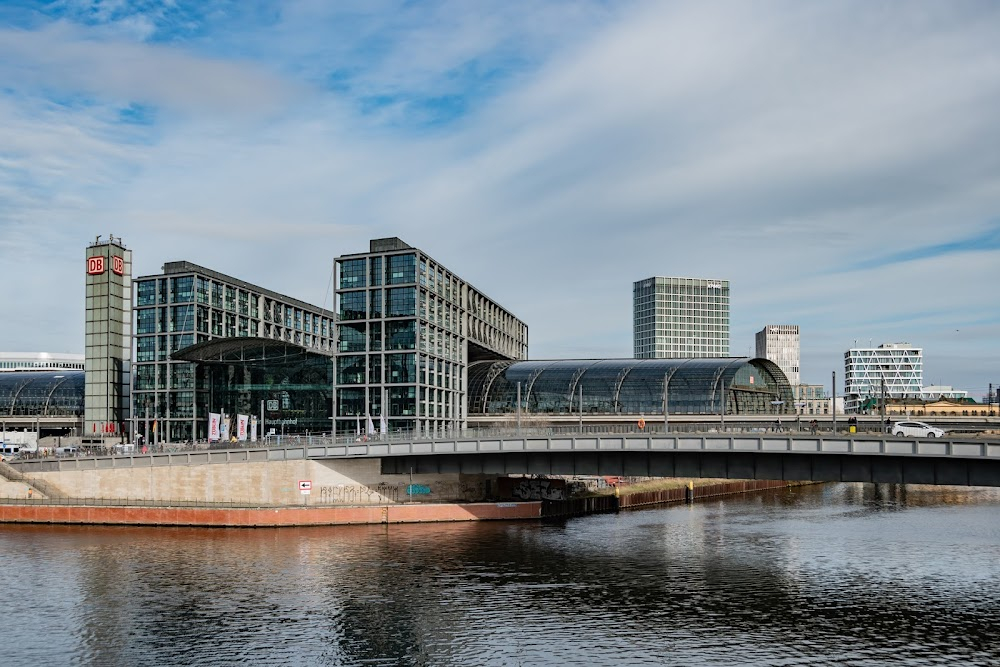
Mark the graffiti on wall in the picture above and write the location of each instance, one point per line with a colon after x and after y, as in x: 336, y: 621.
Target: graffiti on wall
x: 345, y: 494
x: 533, y: 489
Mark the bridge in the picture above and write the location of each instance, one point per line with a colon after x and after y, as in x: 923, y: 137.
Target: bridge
x: 871, y: 457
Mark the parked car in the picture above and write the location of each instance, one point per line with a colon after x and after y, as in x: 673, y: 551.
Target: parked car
x: 916, y: 430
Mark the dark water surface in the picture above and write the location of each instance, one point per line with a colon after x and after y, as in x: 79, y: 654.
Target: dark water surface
x: 844, y: 574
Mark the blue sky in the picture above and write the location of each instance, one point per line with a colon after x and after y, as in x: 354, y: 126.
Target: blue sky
x: 838, y: 163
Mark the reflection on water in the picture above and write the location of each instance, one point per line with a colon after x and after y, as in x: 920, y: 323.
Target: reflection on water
x: 846, y: 574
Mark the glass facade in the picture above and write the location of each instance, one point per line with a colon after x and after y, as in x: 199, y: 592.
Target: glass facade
x: 42, y: 393
x: 292, y: 386
x: 680, y: 318
x: 630, y: 386
x: 408, y: 327
x: 189, y: 306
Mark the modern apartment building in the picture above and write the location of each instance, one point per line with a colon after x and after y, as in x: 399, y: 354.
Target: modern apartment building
x: 210, y: 343
x: 408, y: 330
x: 780, y: 343
x: 891, y: 370
x: 108, y: 341
x: 680, y: 318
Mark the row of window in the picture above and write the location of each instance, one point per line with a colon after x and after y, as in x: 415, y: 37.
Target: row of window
x: 367, y: 271
x: 361, y: 305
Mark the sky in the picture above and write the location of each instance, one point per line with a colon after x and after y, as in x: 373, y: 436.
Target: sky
x: 837, y: 162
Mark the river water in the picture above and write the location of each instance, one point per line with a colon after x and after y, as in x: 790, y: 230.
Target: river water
x: 845, y: 574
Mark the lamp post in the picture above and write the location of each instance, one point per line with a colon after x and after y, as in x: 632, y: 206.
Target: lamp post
x: 666, y: 386
x: 519, y: 408
x: 833, y: 402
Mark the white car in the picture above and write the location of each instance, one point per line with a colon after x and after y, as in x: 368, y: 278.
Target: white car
x: 916, y: 430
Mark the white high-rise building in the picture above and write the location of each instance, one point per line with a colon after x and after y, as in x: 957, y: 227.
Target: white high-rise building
x: 680, y: 318
x: 780, y: 343
x: 897, y: 369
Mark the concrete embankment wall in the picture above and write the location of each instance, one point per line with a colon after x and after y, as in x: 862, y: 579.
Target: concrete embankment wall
x: 266, y: 517
x: 629, y: 500
x: 344, y: 482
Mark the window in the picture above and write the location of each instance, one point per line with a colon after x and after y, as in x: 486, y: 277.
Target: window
x: 401, y: 368
x: 146, y: 293
x: 352, y: 273
x: 400, y: 335
x: 402, y: 269
x: 351, y: 369
x: 147, y: 321
x: 352, y: 338
x: 352, y: 306
x: 182, y: 289
x: 401, y: 302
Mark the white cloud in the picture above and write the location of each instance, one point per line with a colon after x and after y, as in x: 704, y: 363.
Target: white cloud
x: 774, y: 145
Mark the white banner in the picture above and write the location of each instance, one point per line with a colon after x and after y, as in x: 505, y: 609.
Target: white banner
x: 253, y: 428
x: 223, y: 427
x: 383, y: 425
x: 214, y: 419
x: 371, y: 427
x: 241, y: 427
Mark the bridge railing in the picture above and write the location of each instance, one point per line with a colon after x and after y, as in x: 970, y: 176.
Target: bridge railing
x: 792, y: 427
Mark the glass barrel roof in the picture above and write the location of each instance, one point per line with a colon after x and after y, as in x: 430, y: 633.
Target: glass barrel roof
x: 42, y: 393
x: 630, y: 386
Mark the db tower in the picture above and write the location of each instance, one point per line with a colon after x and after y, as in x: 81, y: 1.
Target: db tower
x: 108, y: 346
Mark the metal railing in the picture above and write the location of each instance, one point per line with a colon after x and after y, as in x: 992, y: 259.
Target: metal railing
x: 729, y: 427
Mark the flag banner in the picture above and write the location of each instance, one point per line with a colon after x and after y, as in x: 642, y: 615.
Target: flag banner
x: 214, y: 418
x: 241, y: 427
x: 371, y: 427
x: 383, y: 425
x: 253, y: 428
x: 223, y: 427
x: 357, y: 428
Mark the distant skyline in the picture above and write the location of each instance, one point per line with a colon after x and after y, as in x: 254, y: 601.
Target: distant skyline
x: 838, y: 163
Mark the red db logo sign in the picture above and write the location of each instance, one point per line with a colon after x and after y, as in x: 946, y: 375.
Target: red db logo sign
x: 95, y: 266
x: 117, y: 265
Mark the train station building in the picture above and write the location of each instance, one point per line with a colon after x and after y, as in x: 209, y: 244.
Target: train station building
x: 410, y: 347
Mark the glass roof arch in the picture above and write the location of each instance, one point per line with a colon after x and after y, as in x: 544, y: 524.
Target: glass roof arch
x: 738, y: 385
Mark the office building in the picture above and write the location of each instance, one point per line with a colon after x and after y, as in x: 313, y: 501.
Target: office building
x: 108, y: 341
x: 780, y: 343
x: 889, y: 371
x: 408, y: 330
x: 210, y: 343
x: 680, y: 318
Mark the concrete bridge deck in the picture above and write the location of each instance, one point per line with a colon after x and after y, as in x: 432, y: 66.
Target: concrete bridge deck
x: 859, y: 457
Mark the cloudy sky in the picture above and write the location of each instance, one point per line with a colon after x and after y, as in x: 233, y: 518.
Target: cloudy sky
x: 837, y: 162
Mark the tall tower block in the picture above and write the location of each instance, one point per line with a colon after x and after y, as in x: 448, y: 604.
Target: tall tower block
x: 108, y: 345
